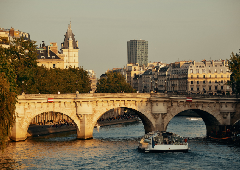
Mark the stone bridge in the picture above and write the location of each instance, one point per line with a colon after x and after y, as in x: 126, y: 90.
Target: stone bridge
x: 155, y: 109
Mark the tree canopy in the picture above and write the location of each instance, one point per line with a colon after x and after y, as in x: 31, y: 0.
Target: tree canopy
x: 114, y: 82
x: 19, y: 72
x: 234, y: 66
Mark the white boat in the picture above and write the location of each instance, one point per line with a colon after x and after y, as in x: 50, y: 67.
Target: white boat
x: 163, y: 142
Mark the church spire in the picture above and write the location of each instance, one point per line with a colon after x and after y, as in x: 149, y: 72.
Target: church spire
x: 69, y: 33
x: 69, y: 25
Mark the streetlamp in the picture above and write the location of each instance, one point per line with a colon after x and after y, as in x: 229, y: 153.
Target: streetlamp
x: 22, y: 86
x: 151, y: 86
x: 165, y: 86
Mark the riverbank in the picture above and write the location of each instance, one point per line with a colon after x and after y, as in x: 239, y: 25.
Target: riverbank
x: 116, y: 121
x: 39, y: 130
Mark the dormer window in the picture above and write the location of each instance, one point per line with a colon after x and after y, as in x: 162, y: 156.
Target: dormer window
x: 42, y: 56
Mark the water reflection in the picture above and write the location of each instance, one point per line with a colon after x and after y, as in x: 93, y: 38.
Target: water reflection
x: 187, y: 126
x: 115, y: 147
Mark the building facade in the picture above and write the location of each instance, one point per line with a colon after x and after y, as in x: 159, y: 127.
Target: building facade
x: 49, y: 57
x: 209, y: 77
x: 137, y: 52
x: 70, y: 49
x: 184, y: 77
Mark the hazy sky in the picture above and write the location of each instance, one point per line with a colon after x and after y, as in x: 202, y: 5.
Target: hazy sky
x: 175, y: 29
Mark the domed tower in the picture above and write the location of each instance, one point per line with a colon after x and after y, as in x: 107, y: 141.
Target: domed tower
x: 70, y: 49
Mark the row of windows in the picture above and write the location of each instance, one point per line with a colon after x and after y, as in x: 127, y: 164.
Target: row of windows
x: 209, y: 88
x: 203, y: 71
x: 204, y: 76
x: 204, y: 82
x: 209, y: 66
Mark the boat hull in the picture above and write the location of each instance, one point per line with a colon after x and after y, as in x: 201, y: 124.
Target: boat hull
x: 165, y: 148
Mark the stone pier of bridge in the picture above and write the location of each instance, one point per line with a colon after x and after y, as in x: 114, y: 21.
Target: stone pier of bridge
x: 154, y: 109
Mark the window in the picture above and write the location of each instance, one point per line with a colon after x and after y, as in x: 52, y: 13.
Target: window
x: 221, y: 87
x: 191, y: 76
x: 216, y: 81
x: 197, y: 82
x: 204, y: 82
x: 203, y: 88
x: 209, y: 76
x: 53, y: 56
x: 221, y: 70
x: 42, y: 56
x: 197, y: 88
x: 191, y: 88
x: 191, y: 82
x: 210, y: 82
x: 221, y: 81
x: 53, y: 65
x: 215, y: 87
x: 209, y: 71
x: 191, y: 70
x: 215, y: 76
x: 203, y: 70
x: 197, y: 76
x: 227, y: 76
x: 203, y: 76
x: 197, y: 70
x: 221, y: 76
x: 210, y: 88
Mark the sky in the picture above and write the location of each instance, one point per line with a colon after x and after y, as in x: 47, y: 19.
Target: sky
x: 176, y: 30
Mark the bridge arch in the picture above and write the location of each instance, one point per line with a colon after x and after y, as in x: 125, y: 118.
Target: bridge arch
x: 146, y: 119
x: 19, y: 130
x: 210, y: 119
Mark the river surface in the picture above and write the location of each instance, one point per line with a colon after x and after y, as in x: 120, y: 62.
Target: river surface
x: 115, y: 147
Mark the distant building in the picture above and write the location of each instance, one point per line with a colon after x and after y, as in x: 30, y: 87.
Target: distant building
x: 70, y: 49
x: 8, y: 35
x: 49, y: 57
x: 208, y: 77
x: 132, y: 70
x: 137, y: 52
x: 93, y: 79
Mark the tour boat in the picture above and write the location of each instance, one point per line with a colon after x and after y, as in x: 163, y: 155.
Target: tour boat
x: 163, y: 142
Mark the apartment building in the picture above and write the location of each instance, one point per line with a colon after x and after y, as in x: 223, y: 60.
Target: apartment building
x: 137, y: 52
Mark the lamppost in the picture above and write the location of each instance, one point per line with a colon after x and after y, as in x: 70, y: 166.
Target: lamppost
x: 151, y: 86
x: 165, y: 86
x: 22, y: 86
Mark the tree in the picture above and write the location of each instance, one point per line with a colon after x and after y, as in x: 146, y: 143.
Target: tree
x: 114, y: 83
x: 234, y: 66
x: 7, y: 109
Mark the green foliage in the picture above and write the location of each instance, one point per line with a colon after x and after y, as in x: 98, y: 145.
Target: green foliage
x: 114, y: 83
x: 7, y: 109
x: 234, y: 66
x: 50, y: 81
x: 19, y: 72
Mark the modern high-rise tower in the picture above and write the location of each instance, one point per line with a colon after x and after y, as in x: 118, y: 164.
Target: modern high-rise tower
x: 70, y: 49
x: 137, y: 51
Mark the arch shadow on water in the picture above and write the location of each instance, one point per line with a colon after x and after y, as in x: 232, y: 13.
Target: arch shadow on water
x: 52, y: 125
x: 207, y: 122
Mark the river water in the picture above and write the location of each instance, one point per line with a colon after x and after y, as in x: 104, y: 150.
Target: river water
x: 115, y: 147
